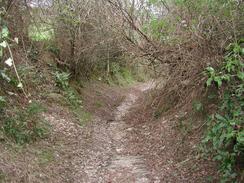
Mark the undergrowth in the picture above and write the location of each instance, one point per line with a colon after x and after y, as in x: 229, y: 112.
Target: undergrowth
x: 225, y: 135
x: 75, y: 103
x: 120, y: 75
x: 18, y: 124
x: 25, y: 125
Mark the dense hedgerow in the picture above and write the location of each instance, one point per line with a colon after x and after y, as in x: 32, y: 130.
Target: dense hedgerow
x: 226, y: 127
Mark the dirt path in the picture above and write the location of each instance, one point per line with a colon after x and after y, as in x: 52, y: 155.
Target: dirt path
x: 123, y: 167
x: 118, y: 166
x: 97, y: 152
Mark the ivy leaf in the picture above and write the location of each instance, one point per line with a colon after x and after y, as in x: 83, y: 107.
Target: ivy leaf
x: 9, y: 62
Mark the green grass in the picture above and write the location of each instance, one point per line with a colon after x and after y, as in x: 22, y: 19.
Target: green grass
x: 40, y: 32
x: 122, y: 77
x: 45, y: 157
x: 83, y: 116
x: 98, y: 104
x: 25, y: 125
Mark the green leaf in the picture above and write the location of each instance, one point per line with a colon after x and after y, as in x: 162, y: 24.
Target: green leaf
x: 5, y: 32
x: 4, y: 76
x: 2, y: 100
x: 218, y: 157
x: 240, y: 137
x: 220, y: 118
x: 230, y: 136
x: 242, y: 51
x: 209, y: 81
x: 210, y: 70
x: 226, y: 77
x: 218, y: 80
x: 240, y: 75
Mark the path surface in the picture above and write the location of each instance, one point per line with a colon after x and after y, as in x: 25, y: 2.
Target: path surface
x: 126, y: 168
x: 118, y: 167
x: 97, y: 153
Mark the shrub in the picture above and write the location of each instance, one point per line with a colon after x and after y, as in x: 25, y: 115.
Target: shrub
x: 62, y: 79
x: 72, y: 97
x: 226, y: 127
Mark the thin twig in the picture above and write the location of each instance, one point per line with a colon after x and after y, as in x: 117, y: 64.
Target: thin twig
x: 16, y: 71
